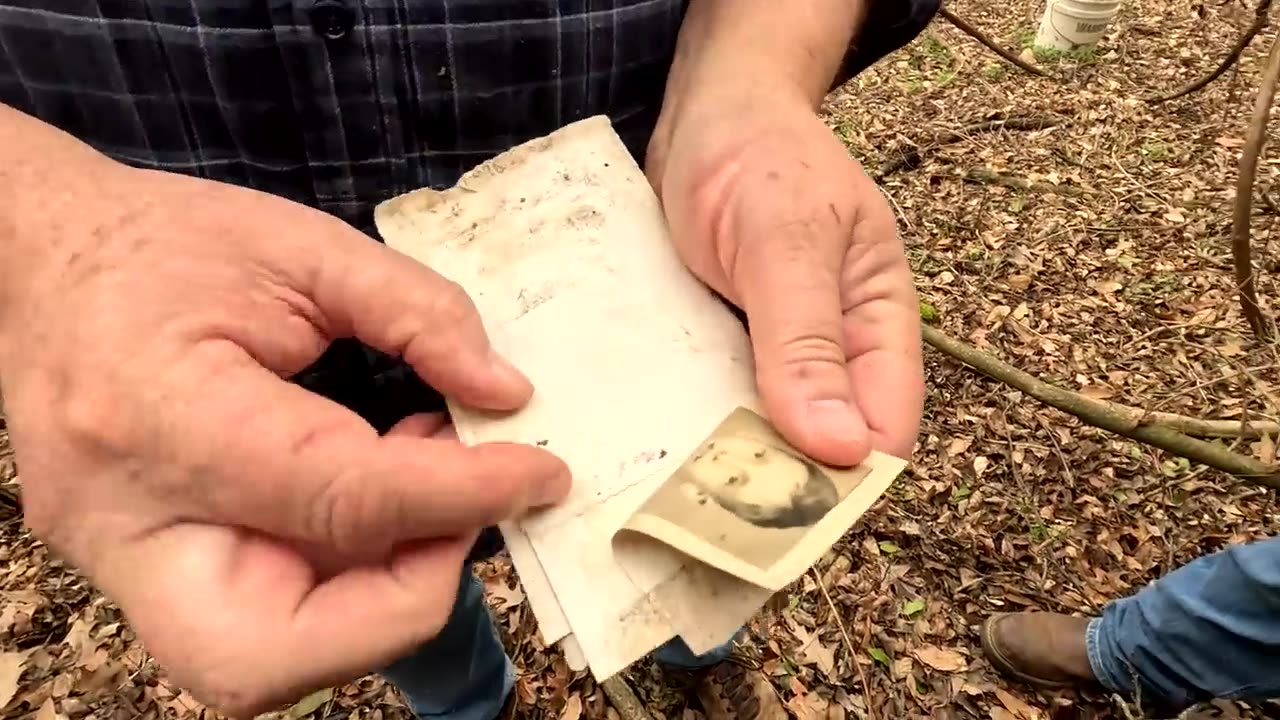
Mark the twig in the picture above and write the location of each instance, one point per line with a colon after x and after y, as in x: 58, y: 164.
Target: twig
x: 978, y: 35
x: 1259, y: 22
x: 989, y: 176
x: 1241, y: 251
x: 912, y: 157
x: 848, y: 644
x: 1118, y: 419
x: 624, y: 700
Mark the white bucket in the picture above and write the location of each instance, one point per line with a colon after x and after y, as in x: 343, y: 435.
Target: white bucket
x: 1074, y: 24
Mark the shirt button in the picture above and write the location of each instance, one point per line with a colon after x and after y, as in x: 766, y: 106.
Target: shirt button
x: 332, y: 19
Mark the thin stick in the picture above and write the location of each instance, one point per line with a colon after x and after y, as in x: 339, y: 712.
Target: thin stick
x: 848, y: 644
x: 1241, y: 250
x: 989, y: 176
x: 978, y: 35
x: 624, y: 700
x: 1118, y: 419
x: 911, y: 158
x: 1259, y: 22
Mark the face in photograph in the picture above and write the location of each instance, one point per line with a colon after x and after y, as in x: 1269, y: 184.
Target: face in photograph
x: 761, y: 483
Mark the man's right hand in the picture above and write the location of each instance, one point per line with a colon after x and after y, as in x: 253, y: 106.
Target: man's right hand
x: 263, y: 541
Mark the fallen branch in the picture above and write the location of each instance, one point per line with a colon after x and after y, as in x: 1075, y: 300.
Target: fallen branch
x: 987, y: 175
x: 624, y: 700
x: 978, y: 35
x: 1259, y: 22
x: 1129, y: 422
x: 1197, y: 427
x: 912, y: 157
x: 1241, y: 250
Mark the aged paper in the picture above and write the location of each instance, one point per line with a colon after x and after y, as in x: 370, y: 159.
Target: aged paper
x: 748, y: 503
x: 562, y: 245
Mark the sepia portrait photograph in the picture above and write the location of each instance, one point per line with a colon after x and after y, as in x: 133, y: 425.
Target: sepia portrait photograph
x: 745, y: 498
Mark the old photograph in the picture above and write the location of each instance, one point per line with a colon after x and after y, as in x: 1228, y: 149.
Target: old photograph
x: 746, y: 501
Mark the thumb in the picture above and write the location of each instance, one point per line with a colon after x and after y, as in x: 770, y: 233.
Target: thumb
x: 268, y: 630
x: 789, y: 286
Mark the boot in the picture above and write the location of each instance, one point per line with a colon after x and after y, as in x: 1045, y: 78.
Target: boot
x: 1045, y: 650
x: 730, y: 691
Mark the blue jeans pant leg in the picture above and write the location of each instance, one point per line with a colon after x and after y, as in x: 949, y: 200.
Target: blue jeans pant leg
x: 675, y: 654
x: 1210, y: 629
x: 464, y: 672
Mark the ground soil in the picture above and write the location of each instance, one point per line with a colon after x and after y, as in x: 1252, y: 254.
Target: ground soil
x: 1107, y: 271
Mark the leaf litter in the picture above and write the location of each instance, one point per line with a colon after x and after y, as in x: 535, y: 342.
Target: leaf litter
x: 1103, y: 266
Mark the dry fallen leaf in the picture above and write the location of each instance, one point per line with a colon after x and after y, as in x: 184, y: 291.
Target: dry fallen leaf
x: 1016, y: 706
x: 507, y: 596
x: 812, y: 706
x: 980, y: 465
x: 572, y: 708
x: 959, y: 444
x: 48, y: 711
x: 10, y: 671
x: 813, y: 652
x: 940, y: 659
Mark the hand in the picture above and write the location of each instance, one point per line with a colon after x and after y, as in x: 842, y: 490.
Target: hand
x: 262, y: 540
x: 768, y: 209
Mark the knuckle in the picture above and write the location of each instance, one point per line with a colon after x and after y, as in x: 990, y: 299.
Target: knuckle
x: 335, y: 511
x: 812, y: 347
x: 451, y: 305
x: 806, y: 354
x: 95, y: 420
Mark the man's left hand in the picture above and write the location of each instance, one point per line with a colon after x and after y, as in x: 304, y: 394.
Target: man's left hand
x: 766, y: 206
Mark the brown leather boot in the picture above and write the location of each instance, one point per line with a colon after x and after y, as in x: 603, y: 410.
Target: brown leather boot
x: 730, y: 691
x: 1046, y: 650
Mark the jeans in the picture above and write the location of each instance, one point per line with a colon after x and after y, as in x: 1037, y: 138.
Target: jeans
x: 464, y: 672
x: 1210, y: 629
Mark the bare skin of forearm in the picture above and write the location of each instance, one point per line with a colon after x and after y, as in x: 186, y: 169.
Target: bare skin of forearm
x: 728, y: 49
x: 47, y: 181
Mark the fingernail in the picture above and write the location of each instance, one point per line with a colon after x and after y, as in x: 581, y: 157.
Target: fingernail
x: 508, y: 372
x: 835, y: 420
x: 554, y: 488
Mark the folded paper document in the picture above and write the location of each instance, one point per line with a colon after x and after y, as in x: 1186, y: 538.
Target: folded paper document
x: 688, y: 511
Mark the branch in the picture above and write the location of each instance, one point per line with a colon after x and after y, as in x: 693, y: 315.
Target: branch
x: 977, y: 34
x: 1119, y: 419
x: 624, y: 700
x: 1259, y: 22
x: 912, y: 157
x: 1197, y: 427
x: 1241, y: 250
x: 987, y: 175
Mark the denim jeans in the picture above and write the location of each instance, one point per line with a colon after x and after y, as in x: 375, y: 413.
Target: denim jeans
x: 464, y: 672
x: 1210, y: 629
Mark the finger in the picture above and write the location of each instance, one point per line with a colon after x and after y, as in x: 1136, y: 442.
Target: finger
x: 300, y: 466
x: 790, y: 288
x: 400, y: 306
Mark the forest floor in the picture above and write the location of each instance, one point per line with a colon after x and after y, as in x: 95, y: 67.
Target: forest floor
x: 1109, y: 275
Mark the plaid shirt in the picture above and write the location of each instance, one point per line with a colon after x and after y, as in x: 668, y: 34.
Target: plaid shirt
x: 340, y: 104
